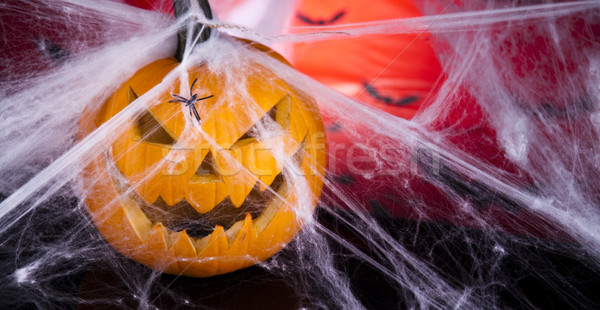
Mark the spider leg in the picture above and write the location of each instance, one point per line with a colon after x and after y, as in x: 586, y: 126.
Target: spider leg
x: 205, y: 97
x: 192, y: 87
x: 179, y: 97
x: 194, y: 113
x: 177, y: 100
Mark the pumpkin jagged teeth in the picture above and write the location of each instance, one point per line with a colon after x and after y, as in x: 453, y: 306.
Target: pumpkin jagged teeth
x: 239, y: 189
x: 214, y: 246
x: 265, y: 181
x: 261, y: 163
x: 241, y: 236
x: 134, y: 220
x: 126, y: 225
x: 244, y: 237
x: 205, y: 196
x: 157, y: 247
x: 217, y: 243
x: 200, y: 207
x: 167, y: 194
x: 184, y: 249
x: 292, y: 149
x: 157, y: 240
x: 237, y: 196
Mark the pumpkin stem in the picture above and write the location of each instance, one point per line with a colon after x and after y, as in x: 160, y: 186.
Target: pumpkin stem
x: 180, y: 8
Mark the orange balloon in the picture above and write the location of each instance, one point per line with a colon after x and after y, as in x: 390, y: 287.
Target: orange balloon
x: 394, y: 73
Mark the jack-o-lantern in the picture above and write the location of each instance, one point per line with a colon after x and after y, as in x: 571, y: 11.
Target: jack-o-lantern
x: 208, y: 192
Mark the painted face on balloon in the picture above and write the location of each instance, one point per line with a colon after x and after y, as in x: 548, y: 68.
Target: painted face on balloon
x: 392, y: 72
x: 210, y: 197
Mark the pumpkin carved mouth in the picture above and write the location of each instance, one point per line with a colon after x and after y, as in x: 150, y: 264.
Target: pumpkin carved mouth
x: 182, y: 216
x: 259, y: 206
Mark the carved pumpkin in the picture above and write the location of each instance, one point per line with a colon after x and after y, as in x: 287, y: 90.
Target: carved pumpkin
x: 203, y: 202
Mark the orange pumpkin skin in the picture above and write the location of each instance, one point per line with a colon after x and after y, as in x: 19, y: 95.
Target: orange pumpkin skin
x: 141, y: 167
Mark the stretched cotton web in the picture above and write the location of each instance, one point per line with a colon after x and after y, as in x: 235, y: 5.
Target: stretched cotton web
x: 486, y: 198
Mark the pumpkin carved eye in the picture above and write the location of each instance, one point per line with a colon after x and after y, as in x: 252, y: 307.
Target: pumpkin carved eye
x: 148, y: 129
x: 279, y: 114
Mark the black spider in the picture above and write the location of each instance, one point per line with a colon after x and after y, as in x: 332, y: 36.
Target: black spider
x: 190, y: 103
